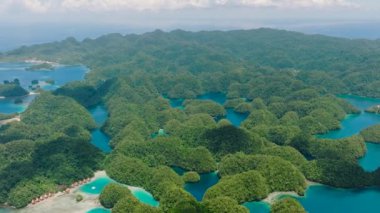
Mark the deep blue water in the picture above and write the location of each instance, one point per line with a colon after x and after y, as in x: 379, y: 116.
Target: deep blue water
x: 218, y: 97
x: 371, y: 161
x: 99, y: 138
x: 322, y: 198
x: 257, y: 207
x: 234, y: 117
x: 198, y: 189
x: 176, y: 103
x: 61, y: 75
x: 353, y: 124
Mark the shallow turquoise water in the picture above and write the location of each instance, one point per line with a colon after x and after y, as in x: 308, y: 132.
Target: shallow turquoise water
x: 257, y: 207
x: 7, y: 105
x: 99, y: 210
x: 95, y: 187
x: 145, y: 197
x: 98, y: 138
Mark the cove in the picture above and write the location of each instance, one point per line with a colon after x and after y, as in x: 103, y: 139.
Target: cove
x: 199, y: 188
x: 8, y: 105
x: 257, y: 207
x: 321, y: 198
x: 353, y: 124
x: 60, y: 75
x: 96, y: 187
x: 98, y: 138
x: 99, y: 210
x: 234, y: 117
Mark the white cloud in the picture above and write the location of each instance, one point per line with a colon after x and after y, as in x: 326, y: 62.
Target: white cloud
x: 297, y: 3
x: 40, y: 6
x: 37, y: 5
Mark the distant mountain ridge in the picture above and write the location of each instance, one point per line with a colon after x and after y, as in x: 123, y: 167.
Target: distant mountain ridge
x: 353, y: 63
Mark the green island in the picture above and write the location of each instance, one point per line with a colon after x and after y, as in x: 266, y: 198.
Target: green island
x: 42, y: 66
x: 285, y: 82
x: 12, y: 89
x: 372, y: 134
x: 191, y: 177
x: 374, y: 109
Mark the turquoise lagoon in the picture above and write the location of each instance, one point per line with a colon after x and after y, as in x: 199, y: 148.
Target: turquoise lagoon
x: 99, y: 139
x: 199, y: 188
x: 320, y: 198
x: 234, y: 117
x: 99, y: 210
x: 257, y: 207
x: 353, y: 124
x: 8, y: 106
x: 95, y: 188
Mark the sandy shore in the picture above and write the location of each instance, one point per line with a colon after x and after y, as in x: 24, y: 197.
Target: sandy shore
x: 65, y: 202
x: 7, y: 121
x: 272, y: 197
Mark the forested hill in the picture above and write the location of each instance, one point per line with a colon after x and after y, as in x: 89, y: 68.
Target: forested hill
x: 340, y: 65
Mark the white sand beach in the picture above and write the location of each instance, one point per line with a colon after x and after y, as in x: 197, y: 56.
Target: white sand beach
x: 66, y: 202
x: 272, y: 197
x: 7, y: 121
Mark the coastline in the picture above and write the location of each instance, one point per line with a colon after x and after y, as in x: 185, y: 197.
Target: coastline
x: 272, y: 197
x: 7, y: 121
x: 66, y: 201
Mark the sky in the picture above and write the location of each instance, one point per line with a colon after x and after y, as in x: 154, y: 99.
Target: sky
x: 36, y: 21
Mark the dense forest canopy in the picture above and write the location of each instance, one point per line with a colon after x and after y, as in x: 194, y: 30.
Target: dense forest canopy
x: 285, y: 82
x: 339, y: 65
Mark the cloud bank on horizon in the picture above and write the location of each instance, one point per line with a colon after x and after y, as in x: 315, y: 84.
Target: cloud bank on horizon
x: 42, y: 6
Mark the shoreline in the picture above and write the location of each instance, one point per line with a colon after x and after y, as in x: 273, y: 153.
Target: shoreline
x: 272, y: 197
x: 7, y: 121
x: 66, y: 201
